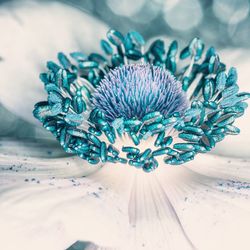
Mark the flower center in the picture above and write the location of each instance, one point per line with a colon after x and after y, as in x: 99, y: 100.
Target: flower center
x: 137, y: 89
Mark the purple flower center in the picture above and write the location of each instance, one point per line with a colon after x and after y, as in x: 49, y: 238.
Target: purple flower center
x: 137, y: 89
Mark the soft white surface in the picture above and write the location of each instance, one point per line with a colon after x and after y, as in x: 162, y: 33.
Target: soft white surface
x: 31, y: 34
x: 200, y: 206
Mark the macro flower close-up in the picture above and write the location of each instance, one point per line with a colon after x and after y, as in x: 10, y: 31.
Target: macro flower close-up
x: 127, y: 137
x: 139, y: 96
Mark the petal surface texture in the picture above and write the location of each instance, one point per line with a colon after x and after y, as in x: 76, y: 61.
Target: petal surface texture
x: 32, y: 33
x: 121, y: 208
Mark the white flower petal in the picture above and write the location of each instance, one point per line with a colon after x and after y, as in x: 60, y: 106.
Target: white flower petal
x: 41, y: 159
x: 190, y: 207
x: 39, y: 148
x: 221, y: 167
x: 214, y: 211
x: 14, y: 127
x: 31, y: 34
x: 55, y: 213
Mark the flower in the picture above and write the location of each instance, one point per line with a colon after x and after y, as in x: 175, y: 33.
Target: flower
x: 133, y: 91
x: 143, y: 96
x: 46, y: 203
x: 119, y: 207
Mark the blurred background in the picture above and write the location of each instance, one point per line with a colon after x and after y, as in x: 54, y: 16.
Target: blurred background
x: 66, y: 25
x: 222, y: 23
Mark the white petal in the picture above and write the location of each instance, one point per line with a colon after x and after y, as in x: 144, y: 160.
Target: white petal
x: 41, y: 159
x: 212, y: 198
x: 14, y: 127
x: 55, y: 213
x: 122, y: 207
x: 222, y: 167
x: 31, y: 34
